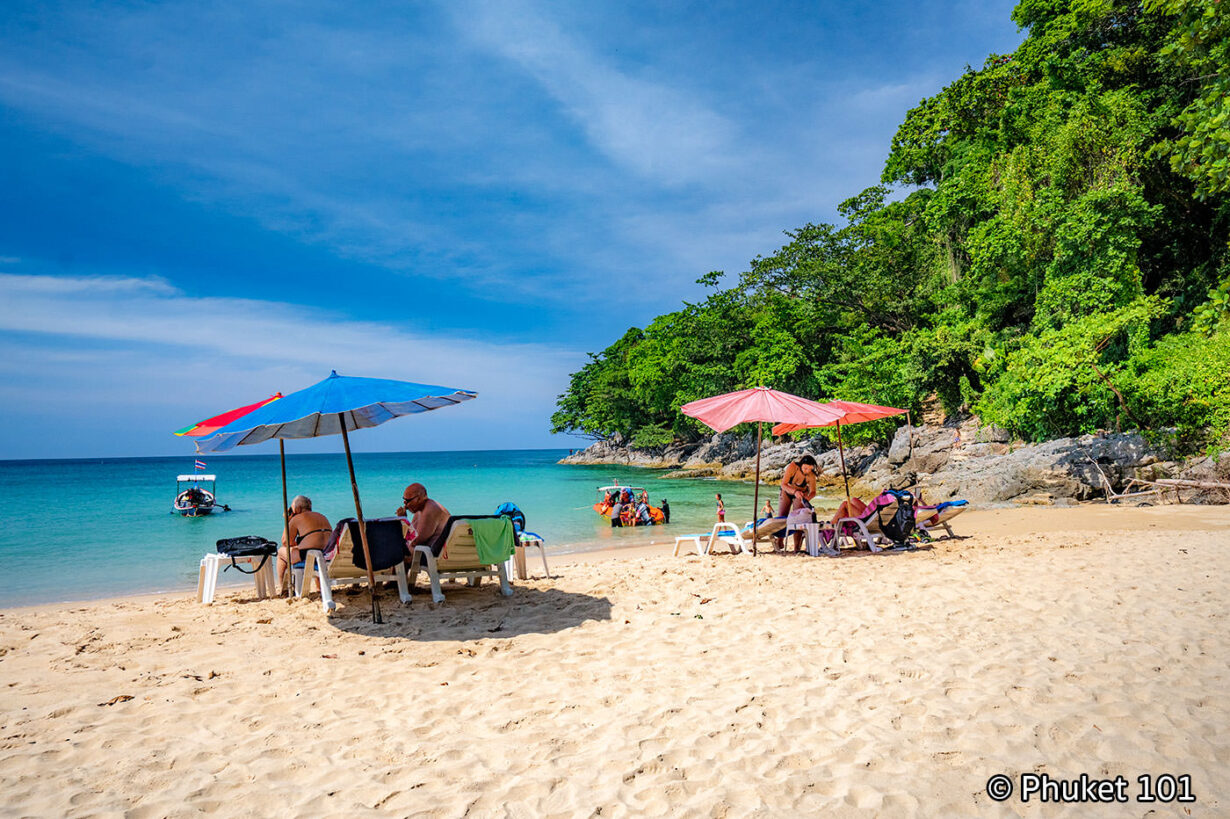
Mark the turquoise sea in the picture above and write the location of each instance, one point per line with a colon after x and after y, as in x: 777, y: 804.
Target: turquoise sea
x: 85, y: 529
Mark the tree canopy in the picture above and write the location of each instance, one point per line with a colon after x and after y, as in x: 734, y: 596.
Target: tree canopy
x: 1048, y: 246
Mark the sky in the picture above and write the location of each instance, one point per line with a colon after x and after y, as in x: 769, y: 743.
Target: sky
x: 204, y: 203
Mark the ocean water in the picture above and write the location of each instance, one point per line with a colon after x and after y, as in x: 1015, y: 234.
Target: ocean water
x: 85, y: 529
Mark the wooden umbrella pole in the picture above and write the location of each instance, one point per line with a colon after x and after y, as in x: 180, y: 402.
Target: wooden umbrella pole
x: 756, y: 491
x: 358, y: 511
x: 909, y: 429
x: 841, y: 453
x: 290, y: 574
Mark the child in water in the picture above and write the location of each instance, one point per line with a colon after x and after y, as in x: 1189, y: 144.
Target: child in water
x: 721, y: 509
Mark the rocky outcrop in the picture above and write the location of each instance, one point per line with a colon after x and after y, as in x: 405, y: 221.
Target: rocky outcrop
x: 992, y: 472
x: 944, y: 461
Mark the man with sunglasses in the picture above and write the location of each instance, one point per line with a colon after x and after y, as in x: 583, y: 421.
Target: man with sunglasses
x: 429, y: 516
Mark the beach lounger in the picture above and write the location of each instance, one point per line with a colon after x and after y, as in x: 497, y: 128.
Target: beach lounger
x: 698, y: 541
x: 766, y: 528
x: 704, y: 542
x: 866, y: 530
x: 387, y: 543
x: 470, y: 547
x: 927, y: 518
x: 729, y: 534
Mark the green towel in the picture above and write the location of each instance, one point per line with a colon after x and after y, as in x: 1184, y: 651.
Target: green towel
x: 493, y: 538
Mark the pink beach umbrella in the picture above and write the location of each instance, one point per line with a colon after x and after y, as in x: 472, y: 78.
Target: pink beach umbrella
x: 852, y: 412
x: 759, y: 404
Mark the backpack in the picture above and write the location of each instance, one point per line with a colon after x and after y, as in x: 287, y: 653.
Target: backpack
x: 901, y: 526
x: 247, y: 546
x: 509, y: 510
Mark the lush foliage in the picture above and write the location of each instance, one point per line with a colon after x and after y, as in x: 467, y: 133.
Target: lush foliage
x: 1048, y: 247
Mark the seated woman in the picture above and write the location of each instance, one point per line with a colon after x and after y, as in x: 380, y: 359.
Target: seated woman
x: 308, y: 530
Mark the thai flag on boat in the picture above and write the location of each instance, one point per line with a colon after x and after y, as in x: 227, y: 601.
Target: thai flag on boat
x: 200, y: 464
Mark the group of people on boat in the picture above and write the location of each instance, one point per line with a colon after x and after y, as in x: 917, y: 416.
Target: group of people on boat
x: 625, y: 509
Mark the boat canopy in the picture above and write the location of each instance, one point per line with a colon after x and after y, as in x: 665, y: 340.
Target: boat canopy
x: 197, y: 478
x: 635, y: 490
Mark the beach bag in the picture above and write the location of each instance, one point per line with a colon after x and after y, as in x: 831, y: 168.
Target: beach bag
x: 899, y: 528
x: 247, y: 546
x: 509, y: 510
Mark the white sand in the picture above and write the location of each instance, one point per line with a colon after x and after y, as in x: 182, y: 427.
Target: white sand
x: 1063, y: 641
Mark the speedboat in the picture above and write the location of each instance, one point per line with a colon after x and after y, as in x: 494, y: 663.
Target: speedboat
x: 629, y: 497
x: 195, y: 495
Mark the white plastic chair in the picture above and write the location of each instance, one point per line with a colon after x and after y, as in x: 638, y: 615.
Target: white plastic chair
x: 458, y: 560
x: 342, y: 569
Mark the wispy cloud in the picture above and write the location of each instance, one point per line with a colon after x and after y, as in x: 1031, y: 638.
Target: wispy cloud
x: 654, y: 127
x: 104, y: 341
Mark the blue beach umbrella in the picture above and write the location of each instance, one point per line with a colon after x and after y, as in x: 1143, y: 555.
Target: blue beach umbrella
x: 338, y: 404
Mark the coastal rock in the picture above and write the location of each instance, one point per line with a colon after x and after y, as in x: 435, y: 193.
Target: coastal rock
x: 773, y: 459
x: 723, y: 448
x: 959, y: 459
x: 899, y: 451
x: 615, y: 451
x: 1206, y: 470
x: 1079, y: 468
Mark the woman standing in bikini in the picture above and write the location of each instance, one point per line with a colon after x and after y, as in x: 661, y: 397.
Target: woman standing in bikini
x: 308, y: 530
x: 798, y: 482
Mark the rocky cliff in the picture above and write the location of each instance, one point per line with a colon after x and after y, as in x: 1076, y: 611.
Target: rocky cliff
x: 957, y: 459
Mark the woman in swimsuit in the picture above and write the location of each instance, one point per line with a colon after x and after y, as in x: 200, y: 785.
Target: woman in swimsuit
x: 308, y: 530
x: 798, y: 482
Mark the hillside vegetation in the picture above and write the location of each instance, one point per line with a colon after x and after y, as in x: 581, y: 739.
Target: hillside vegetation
x: 1049, y: 247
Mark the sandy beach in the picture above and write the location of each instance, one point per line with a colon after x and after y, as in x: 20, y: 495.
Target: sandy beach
x: 1061, y: 641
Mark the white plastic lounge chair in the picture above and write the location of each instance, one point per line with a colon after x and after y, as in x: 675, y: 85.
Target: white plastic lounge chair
x: 928, y: 518
x: 698, y: 542
x: 729, y: 534
x: 704, y: 542
x: 766, y: 528
x: 454, y: 555
x: 865, y: 530
x: 383, y: 535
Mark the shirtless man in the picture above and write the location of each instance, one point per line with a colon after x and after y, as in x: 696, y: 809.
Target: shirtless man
x: 308, y: 530
x: 429, y: 516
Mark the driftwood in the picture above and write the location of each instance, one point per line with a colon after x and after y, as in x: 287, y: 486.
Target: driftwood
x: 1185, y: 484
x: 1159, y: 486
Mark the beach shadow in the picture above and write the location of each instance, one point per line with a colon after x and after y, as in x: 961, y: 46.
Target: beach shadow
x: 480, y: 613
x: 847, y: 554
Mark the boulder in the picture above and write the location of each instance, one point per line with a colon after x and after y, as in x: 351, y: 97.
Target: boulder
x: 899, y: 451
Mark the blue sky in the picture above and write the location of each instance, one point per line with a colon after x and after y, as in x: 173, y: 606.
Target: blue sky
x: 202, y: 203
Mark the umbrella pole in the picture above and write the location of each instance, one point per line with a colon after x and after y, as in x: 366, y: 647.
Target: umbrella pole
x: 358, y: 511
x: 841, y: 453
x: 756, y: 491
x: 286, y: 579
x: 909, y: 425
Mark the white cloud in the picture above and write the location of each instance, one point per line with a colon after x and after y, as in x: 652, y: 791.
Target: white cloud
x: 659, y: 131
x: 115, y: 344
